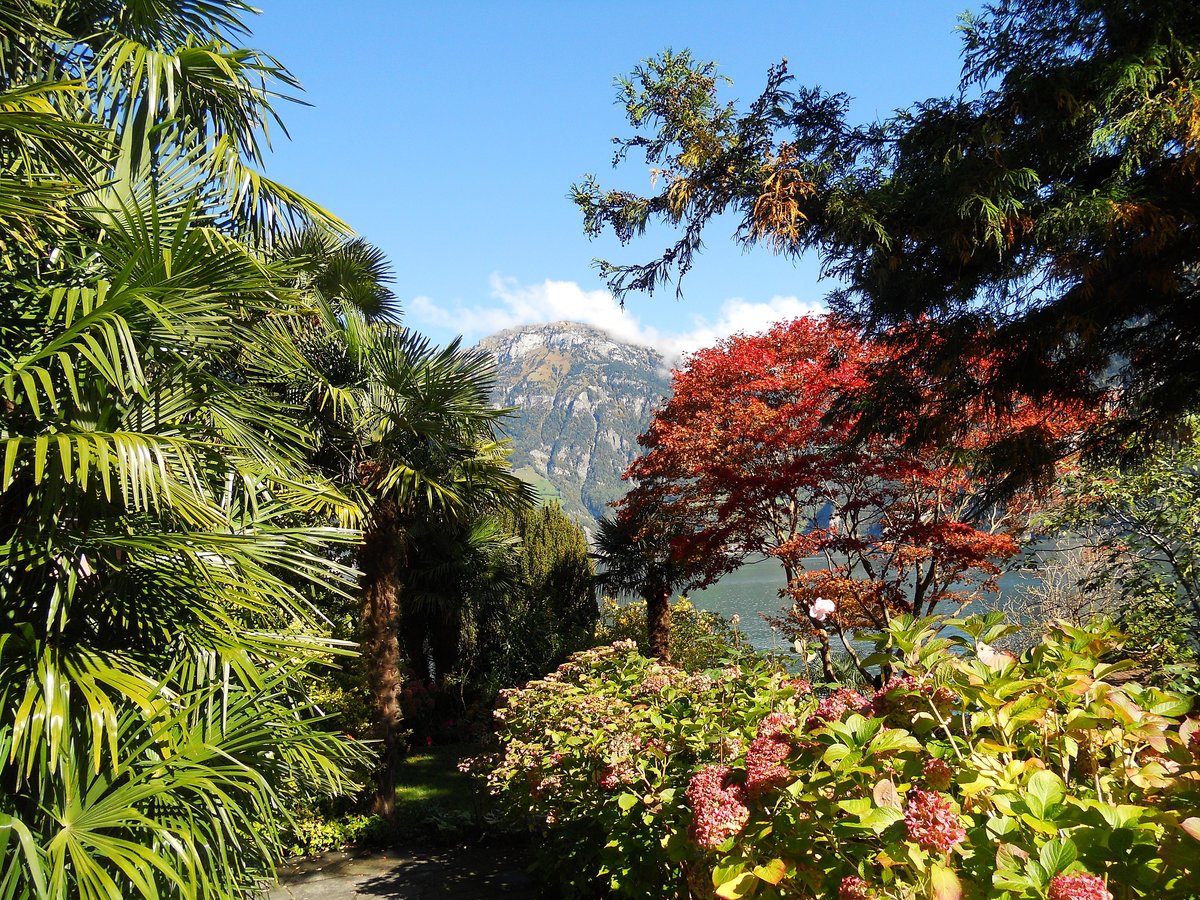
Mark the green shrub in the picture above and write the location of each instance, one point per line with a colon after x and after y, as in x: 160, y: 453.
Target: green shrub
x: 699, y: 638
x: 313, y: 832
x: 1160, y: 637
x: 436, y: 803
x: 969, y: 773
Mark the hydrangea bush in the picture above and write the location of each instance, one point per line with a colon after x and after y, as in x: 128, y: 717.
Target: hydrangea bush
x: 968, y: 773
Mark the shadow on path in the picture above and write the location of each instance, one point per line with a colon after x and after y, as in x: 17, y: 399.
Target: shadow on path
x: 471, y: 872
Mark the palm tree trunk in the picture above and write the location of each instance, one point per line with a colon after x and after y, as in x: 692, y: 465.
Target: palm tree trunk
x: 658, y: 623
x: 380, y: 559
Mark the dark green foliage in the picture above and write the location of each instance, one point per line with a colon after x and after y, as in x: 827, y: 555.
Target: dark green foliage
x: 436, y: 803
x: 161, y: 532
x: 1161, y: 636
x: 635, y: 560
x: 551, y: 614
x: 1043, y: 218
x: 488, y: 603
x: 1142, y: 518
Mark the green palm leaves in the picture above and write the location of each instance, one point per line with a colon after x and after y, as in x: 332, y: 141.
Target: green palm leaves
x: 202, y: 390
x: 154, y: 551
x: 162, y: 528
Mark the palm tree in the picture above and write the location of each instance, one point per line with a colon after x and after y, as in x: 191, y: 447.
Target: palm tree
x: 635, y: 558
x: 408, y: 430
x: 459, y: 567
x: 433, y: 454
x: 150, y: 719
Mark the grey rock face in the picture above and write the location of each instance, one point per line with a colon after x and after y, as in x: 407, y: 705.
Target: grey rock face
x: 582, y: 398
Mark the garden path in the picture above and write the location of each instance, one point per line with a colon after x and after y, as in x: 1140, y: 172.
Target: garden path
x: 468, y: 872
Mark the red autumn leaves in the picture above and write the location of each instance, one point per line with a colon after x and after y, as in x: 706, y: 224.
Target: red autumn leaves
x: 757, y: 453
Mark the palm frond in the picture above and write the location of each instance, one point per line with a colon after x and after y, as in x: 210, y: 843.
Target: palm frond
x: 134, y: 827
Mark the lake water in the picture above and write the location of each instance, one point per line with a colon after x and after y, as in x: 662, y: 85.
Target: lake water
x: 753, y: 590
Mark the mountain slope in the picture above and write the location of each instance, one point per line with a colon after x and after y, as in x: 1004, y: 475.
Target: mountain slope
x: 582, y: 398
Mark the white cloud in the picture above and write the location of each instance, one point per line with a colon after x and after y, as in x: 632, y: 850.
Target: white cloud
x: 736, y: 315
x: 553, y: 301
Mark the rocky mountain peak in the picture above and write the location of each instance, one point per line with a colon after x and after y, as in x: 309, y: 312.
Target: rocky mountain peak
x: 582, y: 398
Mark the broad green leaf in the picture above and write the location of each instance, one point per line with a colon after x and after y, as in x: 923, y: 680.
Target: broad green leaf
x: 856, y: 806
x: 1040, y: 825
x: 727, y: 871
x: 1056, y: 855
x: 881, y: 818
x: 1166, y: 705
x: 1116, y: 816
x: 1043, y: 790
x: 893, y: 740
x: 835, y: 754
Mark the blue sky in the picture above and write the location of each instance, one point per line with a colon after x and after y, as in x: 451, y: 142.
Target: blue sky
x: 449, y: 133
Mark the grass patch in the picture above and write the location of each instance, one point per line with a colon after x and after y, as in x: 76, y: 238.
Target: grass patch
x: 430, y: 779
x: 435, y: 801
x: 435, y: 804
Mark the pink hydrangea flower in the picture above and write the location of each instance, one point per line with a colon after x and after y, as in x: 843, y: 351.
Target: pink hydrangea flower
x: 891, y: 696
x: 938, y: 774
x: 617, y: 774
x: 896, y: 697
x: 653, y: 684
x: 764, y: 764
x: 775, y: 724
x: 898, y: 682
x: 833, y: 707
x: 699, y: 683
x: 718, y: 811
x: 1078, y: 886
x: 931, y: 822
x: 764, y: 758
x: 854, y: 888
x: 821, y: 609
x: 802, y: 686
x: 730, y: 746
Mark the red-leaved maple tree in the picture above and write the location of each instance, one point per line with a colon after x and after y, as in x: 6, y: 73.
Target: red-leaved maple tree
x: 747, y: 458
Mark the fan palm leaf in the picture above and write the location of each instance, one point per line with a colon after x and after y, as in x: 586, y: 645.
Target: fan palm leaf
x: 157, y: 557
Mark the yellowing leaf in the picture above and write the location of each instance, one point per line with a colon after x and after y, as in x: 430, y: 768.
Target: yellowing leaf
x: 944, y: 884
x: 1191, y: 826
x: 885, y: 794
x: 773, y: 872
x: 739, y: 886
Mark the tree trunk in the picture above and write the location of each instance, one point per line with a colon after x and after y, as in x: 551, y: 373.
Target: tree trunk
x: 658, y: 623
x: 826, y: 655
x: 380, y: 559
